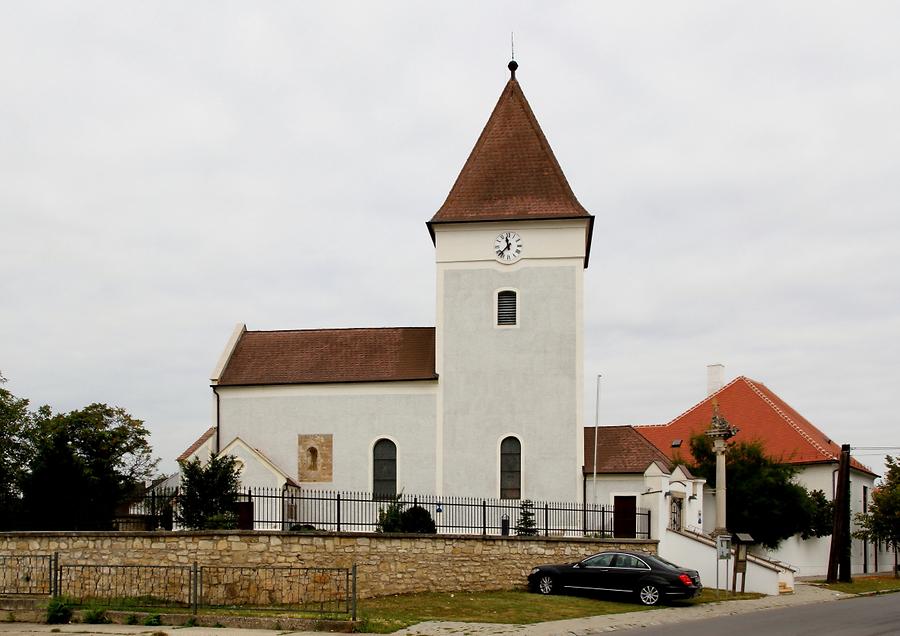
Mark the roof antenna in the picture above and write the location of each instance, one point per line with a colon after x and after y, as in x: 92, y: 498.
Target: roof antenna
x: 512, y: 66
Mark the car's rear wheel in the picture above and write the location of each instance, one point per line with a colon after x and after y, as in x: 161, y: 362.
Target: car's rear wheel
x: 546, y: 584
x: 648, y: 594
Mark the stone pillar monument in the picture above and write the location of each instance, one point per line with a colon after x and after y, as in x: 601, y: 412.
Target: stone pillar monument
x: 720, y: 430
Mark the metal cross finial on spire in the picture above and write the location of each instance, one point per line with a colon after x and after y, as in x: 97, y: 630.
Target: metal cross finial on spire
x: 512, y: 66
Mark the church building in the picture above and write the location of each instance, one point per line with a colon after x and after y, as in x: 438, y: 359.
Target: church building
x: 488, y: 402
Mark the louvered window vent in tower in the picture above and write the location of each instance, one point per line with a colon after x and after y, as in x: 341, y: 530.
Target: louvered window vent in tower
x: 506, y: 308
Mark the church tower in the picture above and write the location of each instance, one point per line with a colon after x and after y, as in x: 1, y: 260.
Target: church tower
x: 511, y: 245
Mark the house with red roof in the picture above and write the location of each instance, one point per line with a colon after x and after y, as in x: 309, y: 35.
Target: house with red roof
x: 763, y: 416
x: 487, y: 402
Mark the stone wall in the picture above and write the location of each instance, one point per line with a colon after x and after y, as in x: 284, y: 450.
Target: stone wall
x: 385, y: 564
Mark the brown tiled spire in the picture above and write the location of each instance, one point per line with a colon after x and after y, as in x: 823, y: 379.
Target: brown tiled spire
x: 511, y: 173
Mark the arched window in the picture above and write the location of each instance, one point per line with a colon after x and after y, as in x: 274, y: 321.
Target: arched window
x: 510, y: 468
x: 506, y: 307
x: 384, y: 469
x: 312, y: 457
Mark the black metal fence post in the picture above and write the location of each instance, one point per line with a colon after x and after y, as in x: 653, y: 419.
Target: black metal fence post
x: 195, y: 587
x: 546, y: 520
x: 54, y: 575
x: 484, y: 517
x: 353, y: 594
x: 339, y: 512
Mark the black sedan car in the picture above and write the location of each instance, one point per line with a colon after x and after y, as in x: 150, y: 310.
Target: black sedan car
x: 648, y: 578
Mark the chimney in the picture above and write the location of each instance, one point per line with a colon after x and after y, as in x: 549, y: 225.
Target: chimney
x: 715, y: 378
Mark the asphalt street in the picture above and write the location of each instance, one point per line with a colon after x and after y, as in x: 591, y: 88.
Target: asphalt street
x: 869, y: 616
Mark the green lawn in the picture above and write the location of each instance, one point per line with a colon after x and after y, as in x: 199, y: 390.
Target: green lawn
x: 862, y: 584
x: 390, y: 613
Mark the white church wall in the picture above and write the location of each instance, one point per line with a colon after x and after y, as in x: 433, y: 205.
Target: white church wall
x: 356, y: 415
x: 542, y: 240
x: 522, y: 381
x: 525, y: 380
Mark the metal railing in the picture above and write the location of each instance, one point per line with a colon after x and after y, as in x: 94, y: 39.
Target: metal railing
x: 293, y: 508
x: 326, y: 591
x: 125, y: 586
x: 29, y: 574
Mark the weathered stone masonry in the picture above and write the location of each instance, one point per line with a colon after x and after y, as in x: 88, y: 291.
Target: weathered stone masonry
x: 385, y: 564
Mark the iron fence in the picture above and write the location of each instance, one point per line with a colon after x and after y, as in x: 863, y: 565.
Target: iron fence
x: 330, y: 591
x: 318, y: 590
x: 29, y: 574
x: 293, y: 508
x: 124, y: 586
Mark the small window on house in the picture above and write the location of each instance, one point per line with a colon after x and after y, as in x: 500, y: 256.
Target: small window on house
x: 506, y: 307
x: 676, y: 443
x: 510, y: 468
x: 312, y: 458
x: 384, y: 469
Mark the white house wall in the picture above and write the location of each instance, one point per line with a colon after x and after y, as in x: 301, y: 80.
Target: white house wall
x: 810, y: 556
x: 357, y: 415
x: 608, y: 487
x: 699, y: 554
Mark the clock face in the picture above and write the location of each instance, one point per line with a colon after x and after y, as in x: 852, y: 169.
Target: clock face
x: 508, y: 247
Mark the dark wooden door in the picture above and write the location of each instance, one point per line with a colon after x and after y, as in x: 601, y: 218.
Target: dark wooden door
x: 625, y: 517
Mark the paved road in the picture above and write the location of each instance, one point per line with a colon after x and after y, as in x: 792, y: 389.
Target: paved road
x: 870, y: 616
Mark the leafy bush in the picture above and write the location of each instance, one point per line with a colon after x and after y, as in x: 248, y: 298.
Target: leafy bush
x: 95, y: 616
x: 152, y: 620
x: 131, y: 619
x: 389, y: 519
x: 209, y: 493
x: 417, y: 520
x: 58, y: 611
x: 224, y: 521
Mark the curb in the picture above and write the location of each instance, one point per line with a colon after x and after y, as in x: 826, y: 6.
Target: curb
x: 876, y: 592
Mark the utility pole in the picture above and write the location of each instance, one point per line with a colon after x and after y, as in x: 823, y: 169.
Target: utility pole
x: 839, y: 556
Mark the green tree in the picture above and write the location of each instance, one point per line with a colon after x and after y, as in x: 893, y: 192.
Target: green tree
x: 526, y: 526
x: 882, y: 520
x: 84, y: 465
x: 208, y: 499
x: 16, y: 450
x: 763, y: 499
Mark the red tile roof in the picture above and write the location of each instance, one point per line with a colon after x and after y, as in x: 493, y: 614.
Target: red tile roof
x: 511, y: 173
x: 761, y: 416
x: 331, y: 355
x: 197, y: 444
x: 621, y: 449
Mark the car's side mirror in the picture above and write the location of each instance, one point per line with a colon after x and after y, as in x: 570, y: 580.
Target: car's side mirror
x: 577, y: 565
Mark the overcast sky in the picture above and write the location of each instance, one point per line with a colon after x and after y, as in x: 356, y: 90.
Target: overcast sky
x: 169, y: 169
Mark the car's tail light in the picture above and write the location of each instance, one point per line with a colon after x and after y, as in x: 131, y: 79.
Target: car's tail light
x: 684, y: 578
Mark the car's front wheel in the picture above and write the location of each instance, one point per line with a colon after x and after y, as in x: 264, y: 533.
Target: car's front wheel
x: 648, y: 594
x: 546, y: 584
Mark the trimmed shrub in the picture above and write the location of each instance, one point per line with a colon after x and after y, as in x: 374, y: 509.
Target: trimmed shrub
x: 418, y: 520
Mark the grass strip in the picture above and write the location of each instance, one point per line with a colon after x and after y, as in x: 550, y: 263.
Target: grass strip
x: 387, y: 614
x: 863, y: 584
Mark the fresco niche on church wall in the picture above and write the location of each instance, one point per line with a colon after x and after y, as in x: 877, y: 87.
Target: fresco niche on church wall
x: 314, y: 457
